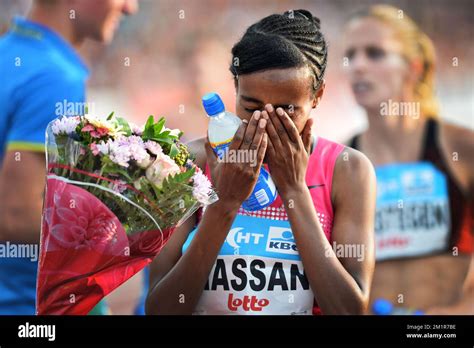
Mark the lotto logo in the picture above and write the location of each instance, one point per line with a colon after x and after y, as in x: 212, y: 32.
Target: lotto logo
x: 247, y: 303
x: 281, y: 240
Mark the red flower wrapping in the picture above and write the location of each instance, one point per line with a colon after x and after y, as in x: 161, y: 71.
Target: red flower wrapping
x: 85, y: 251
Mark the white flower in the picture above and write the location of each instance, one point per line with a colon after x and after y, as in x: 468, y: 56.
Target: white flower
x: 103, y: 147
x: 124, y: 149
x: 201, y: 187
x: 145, y: 162
x: 65, y: 125
x: 137, y: 130
x: 162, y: 167
x: 138, y: 151
x: 153, y: 147
x: 119, y: 154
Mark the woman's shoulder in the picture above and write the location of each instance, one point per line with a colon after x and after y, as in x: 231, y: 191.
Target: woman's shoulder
x: 354, y: 177
x: 348, y: 166
x: 457, y: 144
x: 456, y: 137
x: 352, y: 163
x: 346, y: 157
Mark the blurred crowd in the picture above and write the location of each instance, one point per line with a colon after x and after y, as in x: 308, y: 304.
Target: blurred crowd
x: 172, y: 52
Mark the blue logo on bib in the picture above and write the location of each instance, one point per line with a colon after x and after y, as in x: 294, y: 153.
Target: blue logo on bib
x: 413, y: 216
x: 257, y: 237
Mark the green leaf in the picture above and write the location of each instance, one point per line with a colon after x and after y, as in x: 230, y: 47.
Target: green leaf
x: 159, y: 126
x: 110, y: 116
x: 174, y: 151
x: 109, y: 167
x: 148, y: 132
x: 188, y: 174
x: 124, y: 173
x: 150, y: 122
x: 125, y: 126
x: 182, y: 177
x: 163, y: 140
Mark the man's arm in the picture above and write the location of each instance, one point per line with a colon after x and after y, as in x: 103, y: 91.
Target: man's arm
x: 22, y: 179
x: 22, y: 172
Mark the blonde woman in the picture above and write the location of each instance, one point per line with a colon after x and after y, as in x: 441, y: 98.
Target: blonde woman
x: 425, y: 177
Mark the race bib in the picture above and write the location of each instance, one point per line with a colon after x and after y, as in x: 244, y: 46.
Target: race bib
x: 412, y: 216
x: 258, y: 271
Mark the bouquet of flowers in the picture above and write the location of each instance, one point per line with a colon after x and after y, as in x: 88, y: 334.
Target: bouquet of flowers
x: 114, y: 194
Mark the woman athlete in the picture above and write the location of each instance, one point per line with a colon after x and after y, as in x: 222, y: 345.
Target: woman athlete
x: 311, y: 251
x: 424, y: 166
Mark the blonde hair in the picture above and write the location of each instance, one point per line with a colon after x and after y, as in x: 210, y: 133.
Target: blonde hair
x: 416, y: 45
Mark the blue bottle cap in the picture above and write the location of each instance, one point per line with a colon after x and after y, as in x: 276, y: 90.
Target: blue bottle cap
x: 382, y: 307
x: 213, y: 104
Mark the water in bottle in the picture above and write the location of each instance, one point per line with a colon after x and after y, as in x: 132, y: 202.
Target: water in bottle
x: 222, y: 127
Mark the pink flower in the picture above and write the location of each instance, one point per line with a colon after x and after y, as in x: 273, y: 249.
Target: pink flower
x: 87, y: 128
x: 95, y: 134
x: 118, y: 186
x: 162, y: 167
x: 95, y: 150
x: 102, y: 131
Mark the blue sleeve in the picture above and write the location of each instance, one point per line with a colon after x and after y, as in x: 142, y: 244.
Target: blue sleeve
x: 37, y: 103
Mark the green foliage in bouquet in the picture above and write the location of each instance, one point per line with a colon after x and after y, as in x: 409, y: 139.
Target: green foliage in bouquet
x: 145, y: 175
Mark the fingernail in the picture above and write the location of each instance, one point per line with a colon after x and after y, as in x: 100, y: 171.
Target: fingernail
x: 256, y: 115
x: 245, y: 121
x: 280, y: 111
x: 264, y: 115
x: 269, y: 107
x: 262, y: 123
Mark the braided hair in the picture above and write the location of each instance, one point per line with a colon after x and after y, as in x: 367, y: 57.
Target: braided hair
x: 289, y: 40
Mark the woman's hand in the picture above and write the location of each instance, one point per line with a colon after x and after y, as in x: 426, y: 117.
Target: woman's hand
x: 235, y: 181
x: 287, y: 152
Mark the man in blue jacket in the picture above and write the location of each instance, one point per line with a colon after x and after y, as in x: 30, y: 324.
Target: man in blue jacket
x: 40, y: 72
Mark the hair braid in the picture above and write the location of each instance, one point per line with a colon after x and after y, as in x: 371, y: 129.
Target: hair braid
x: 288, y: 40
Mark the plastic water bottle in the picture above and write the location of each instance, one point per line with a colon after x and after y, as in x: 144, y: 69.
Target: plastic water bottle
x: 221, y: 131
x: 385, y: 307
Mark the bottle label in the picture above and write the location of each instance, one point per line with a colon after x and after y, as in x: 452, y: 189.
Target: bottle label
x: 221, y: 147
x: 263, y: 194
